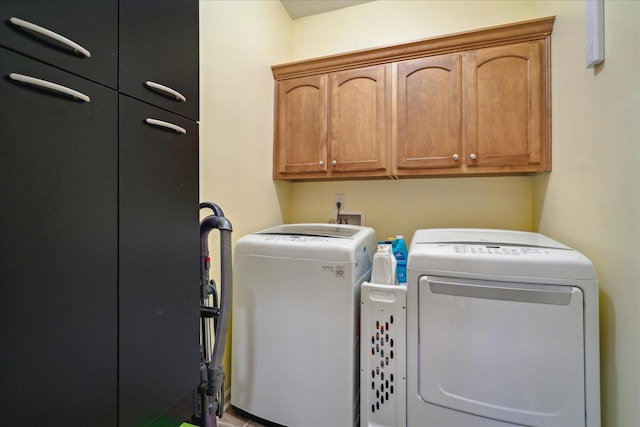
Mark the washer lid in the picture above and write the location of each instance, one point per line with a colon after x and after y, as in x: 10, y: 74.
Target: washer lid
x: 324, y: 230
x: 311, y: 241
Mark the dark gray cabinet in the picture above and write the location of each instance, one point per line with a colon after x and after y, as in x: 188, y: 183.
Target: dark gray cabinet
x: 58, y: 239
x: 158, y: 214
x: 159, y: 270
x: 158, y: 47
x: 99, y: 241
x: 90, y: 24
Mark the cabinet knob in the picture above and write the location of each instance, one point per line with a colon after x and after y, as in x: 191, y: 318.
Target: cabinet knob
x: 472, y: 156
x: 321, y: 162
x: 333, y: 163
x: 455, y: 157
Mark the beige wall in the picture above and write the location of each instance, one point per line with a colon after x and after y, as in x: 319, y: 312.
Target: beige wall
x: 386, y: 22
x: 591, y: 199
x: 401, y: 207
x: 239, y: 41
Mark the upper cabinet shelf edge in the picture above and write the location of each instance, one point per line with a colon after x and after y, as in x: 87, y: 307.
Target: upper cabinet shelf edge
x: 534, y: 29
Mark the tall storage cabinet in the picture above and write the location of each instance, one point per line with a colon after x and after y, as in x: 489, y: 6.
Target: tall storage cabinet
x: 159, y: 245
x: 99, y: 214
x: 158, y: 258
x: 58, y: 268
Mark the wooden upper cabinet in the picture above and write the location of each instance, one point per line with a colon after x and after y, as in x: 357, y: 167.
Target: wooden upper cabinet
x: 359, y: 119
x: 477, y: 102
x: 429, y: 125
x: 333, y: 125
x: 301, y: 127
x: 505, y: 108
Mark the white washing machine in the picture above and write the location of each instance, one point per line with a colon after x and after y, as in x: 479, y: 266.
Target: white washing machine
x: 295, y: 332
x: 502, y: 330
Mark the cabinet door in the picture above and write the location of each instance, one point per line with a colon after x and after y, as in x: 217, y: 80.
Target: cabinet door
x: 58, y: 268
x: 506, y: 108
x: 301, y: 134
x: 159, y: 44
x: 359, y: 116
x: 429, y: 114
x: 159, y: 250
x: 93, y: 25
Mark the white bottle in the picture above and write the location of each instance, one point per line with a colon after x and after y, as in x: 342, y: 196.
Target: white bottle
x: 383, y: 271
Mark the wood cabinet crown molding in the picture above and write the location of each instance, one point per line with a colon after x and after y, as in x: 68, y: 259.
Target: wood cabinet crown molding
x: 491, y: 36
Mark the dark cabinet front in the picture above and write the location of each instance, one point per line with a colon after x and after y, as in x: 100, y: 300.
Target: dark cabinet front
x: 99, y: 230
x: 58, y: 241
x: 159, y: 53
x: 78, y: 36
x: 159, y: 270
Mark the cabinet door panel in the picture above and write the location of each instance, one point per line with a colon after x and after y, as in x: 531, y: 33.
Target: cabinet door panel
x: 159, y: 43
x: 505, y: 105
x: 58, y: 228
x: 159, y: 267
x: 91, y: 24
x: 429, y: 113
x: 359, y: 119
x: 302, y: 125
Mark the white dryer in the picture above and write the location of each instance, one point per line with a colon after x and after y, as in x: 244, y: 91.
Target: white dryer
x: 295, y: 333
x: 502, y: 330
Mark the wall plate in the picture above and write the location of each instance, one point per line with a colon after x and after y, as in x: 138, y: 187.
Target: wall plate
x: 349, y: 217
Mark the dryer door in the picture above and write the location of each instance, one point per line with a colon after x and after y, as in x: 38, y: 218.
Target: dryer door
x: 512, y: 352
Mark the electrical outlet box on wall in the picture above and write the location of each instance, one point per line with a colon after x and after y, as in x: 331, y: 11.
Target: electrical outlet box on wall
x: 349, y: 217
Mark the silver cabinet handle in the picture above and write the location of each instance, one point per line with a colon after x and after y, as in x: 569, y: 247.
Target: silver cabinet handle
x: 334, y: 163
x: 166, y: 125
x: 472, y: 156
x: 50, y: 86
x: 321, y: 162
x: 455, y: 157
x: 48, y: 33
x: 157, y: 86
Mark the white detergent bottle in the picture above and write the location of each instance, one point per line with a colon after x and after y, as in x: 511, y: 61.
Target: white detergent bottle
x: 383, y: 271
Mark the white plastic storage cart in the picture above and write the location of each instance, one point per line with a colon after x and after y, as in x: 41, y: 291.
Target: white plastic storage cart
x: 383, y: 323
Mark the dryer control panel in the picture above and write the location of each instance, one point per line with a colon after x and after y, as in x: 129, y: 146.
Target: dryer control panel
x: 496, y: 249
